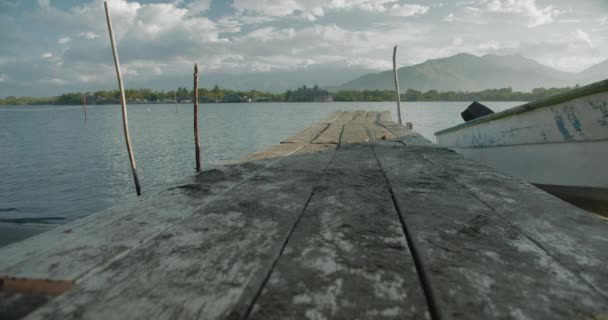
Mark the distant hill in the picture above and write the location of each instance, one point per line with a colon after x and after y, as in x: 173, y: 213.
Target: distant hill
x: 467, y: 72
x: 595, y: 73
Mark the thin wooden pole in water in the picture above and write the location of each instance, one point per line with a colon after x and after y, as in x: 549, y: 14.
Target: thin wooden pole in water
x: 196, y: 140
x: 84, y: 106
x: 175, y: 100
x: 125, y: 118
x: 397, y: 84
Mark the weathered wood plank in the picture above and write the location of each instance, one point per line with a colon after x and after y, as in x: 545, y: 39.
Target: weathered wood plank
x: 308, y: 134
x: 372, y: 116
x: 385, y: 116
x: 209, y: 265
x: 345, y: 117
x: 405, y: 135
x: 332, y: 134
x: 477, y: 264
x: 354, y: 133
x: 276, y: 151
x: 377, y: 132
x: 574, y: 238
x: 15, y: 306
x: 70, y: 252
x: 348, y: 257
x: 359, y: 116
x: 332, y: 117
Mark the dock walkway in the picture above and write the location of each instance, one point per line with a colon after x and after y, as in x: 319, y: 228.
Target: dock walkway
x: 356, y: 217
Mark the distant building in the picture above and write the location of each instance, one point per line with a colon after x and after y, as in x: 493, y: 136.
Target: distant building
x: 309, y: 95
x: 262, y: 99
x: 205, y: 99
x: 234, y: 98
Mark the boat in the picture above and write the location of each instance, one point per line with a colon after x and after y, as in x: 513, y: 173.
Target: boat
x: 559, y: 143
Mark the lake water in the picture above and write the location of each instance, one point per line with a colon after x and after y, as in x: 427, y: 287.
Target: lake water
x: 55, y: 165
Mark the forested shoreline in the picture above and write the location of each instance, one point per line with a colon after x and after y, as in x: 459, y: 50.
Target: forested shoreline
x: 217, y: 94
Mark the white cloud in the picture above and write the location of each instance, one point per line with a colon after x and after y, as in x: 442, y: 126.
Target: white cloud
x: 582, y: 36
x: 55, y: 81
x: 64, y: 40
x: 161, y: 41
x: 3, y: 78
x: 536, y: 16
x: 311, y: 9
x: 44, y: 3
x: 406, y: 10
x: 88, y: 35
x: 198, y: 6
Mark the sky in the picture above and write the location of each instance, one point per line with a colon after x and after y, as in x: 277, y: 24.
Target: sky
x: 55, y: 46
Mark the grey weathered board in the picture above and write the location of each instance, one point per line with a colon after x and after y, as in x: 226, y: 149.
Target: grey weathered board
x: 577, y: 241
x: 348, y: 253
x: 354, y: 217
x: 478, y: 264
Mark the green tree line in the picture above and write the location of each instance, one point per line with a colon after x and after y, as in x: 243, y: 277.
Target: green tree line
x: 216, y: 94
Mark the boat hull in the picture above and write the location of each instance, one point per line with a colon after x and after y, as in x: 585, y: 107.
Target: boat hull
x: 574, y: 164
x: 559, y: 143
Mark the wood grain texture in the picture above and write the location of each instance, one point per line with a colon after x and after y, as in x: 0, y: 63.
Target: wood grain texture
x: 14, y: 306
x: 372, y: 116
x: 210, y: 264
x: 354, y: 132
x: 348, y: 257
x: 332, y: 134
x: 307, y: 135
x: 385, y: 116
x: 576, y: 239
x: 377, y: 132
x: 274, y: 152
x: 359, y: 116
x: 405, y: 135
x: 478, y: 264
x: 72, y: 251
x: 332, y: 117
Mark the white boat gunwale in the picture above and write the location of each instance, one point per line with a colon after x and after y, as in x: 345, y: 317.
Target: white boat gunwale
x: 597, y: 87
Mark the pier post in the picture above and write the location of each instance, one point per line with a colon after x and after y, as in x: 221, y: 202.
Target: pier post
x: 84, y: 106
x: 397, y: 84
x: 196, y: 139
x: 123, y: 104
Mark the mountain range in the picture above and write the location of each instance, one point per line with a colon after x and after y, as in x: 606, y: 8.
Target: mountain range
x: 467, y: 72
x: 461, y: 72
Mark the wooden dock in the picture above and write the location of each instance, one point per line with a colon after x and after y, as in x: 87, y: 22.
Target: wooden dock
x: 356, y: 217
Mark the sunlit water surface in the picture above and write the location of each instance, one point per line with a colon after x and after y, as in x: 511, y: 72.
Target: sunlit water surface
x: 54, y: 164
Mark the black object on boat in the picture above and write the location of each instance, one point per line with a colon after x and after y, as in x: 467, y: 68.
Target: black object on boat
x: 474, y: 111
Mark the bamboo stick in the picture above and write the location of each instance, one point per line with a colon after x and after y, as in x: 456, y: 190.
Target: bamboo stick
x: 84, y: 106
x: 125, y: 119
x: 196, y: 140
x: 397, y: 84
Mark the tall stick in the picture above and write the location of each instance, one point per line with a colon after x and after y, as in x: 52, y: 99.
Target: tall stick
x: 196, y: 142
x: 397, y: 84
x: 125, y: 119
x: 175, y: 100
x: 84, y: 105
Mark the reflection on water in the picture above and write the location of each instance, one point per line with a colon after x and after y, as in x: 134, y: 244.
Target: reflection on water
x: 54, y: 164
